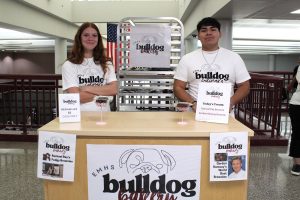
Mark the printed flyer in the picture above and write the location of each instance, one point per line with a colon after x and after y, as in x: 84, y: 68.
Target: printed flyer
x: 148, y: 172
x: 56, y: 156
x: 228, y: 156
x: 150, y: 46
x: 69, y: 107
x: 213, y: 102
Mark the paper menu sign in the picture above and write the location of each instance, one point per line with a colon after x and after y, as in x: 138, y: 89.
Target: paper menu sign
x: 69, y: 107
x: 213, y: 102
x: 56, y: 156
x: 228, y: 156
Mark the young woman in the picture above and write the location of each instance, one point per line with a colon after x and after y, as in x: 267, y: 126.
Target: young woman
x: 88, y: 71
x: 294, y: 111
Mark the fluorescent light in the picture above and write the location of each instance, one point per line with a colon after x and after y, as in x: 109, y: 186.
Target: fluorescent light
x: 296, y: 12
x: 12, y: 34
x: 12, y: 43
x: 131, y: 22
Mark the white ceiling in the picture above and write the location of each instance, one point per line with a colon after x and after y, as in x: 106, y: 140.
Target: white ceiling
x: 260, y: 27
x: 264, y: 26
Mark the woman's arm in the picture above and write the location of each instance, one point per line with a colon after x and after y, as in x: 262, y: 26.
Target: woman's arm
x: 85, y: 97
x: 109, y: 89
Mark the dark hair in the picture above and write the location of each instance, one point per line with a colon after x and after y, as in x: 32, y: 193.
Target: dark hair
x: 77, y: 54
x: 236, y: 158
x: 208, y: 21
x: 294, y: 74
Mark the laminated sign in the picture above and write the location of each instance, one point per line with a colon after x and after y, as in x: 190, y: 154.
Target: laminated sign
x: 213, y: 102
x: 228, y: 156
x: 147, y: 172
x: 69, y: 107
x: 150, y: 46
x: 56, y: 156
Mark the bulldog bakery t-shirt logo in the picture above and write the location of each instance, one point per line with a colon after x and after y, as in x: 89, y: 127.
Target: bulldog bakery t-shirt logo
x: 91, y: 76
x: 210, y: 73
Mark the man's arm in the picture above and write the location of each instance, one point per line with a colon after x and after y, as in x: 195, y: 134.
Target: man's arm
x: 180, y: 92
x: 241, y: 92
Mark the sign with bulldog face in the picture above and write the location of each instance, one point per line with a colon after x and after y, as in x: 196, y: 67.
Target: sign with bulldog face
x: 150, y: 46
x: 121, y: 172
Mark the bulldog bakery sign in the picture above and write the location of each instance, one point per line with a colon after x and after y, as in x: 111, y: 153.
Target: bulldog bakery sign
x: 56, y: 156
x: 150, y: 45
x: 143, y: 172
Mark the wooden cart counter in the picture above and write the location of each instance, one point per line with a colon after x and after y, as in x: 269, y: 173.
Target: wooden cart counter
x: 143, y: 128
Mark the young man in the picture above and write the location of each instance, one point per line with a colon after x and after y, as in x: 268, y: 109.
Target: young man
x: 211, y: 63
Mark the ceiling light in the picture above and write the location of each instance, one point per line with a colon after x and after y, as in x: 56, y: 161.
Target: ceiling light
x: 15, y: 43
x: 296, y: 12
x: 131, y: 22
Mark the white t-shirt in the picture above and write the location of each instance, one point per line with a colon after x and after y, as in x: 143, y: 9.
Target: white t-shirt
x: 295, y: 100
x: 221, y: 66
x: 86, y: 74
x: 240, y: 175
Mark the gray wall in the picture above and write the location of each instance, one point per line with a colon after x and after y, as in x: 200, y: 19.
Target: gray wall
x: 262, y: 62
x: 43, y: 63
x: 26, y: 63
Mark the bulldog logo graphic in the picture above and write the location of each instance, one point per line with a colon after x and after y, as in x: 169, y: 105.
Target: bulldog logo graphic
x: 228, y: 140
x: 149, y: 39
x: 229, y: 144
x: 55, y: 140
x: 147, y: 160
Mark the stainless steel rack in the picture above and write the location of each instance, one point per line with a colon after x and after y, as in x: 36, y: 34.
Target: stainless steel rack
x: 147, y: 89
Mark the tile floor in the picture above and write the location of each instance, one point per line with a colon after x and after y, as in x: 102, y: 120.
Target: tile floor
x: 269, y: 177
x: 18, y: 163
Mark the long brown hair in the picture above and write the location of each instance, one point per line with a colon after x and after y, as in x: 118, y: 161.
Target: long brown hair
x: 77, y: 54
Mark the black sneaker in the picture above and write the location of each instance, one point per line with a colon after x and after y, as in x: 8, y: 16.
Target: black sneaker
x: 296, y: 170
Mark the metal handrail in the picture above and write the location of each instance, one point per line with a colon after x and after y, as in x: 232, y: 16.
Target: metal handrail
x: 28, y: 101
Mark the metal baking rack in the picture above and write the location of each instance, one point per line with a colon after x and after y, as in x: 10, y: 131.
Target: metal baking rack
x: 147, y: 89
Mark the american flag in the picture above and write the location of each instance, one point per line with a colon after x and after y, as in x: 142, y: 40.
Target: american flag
x: 112, y: 43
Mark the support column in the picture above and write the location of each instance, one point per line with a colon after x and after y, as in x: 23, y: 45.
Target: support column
x: 60, y: 54
x: 226, y: 34
x: 190, y: 44
x: 271, y: 62
x: 60, y: 57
